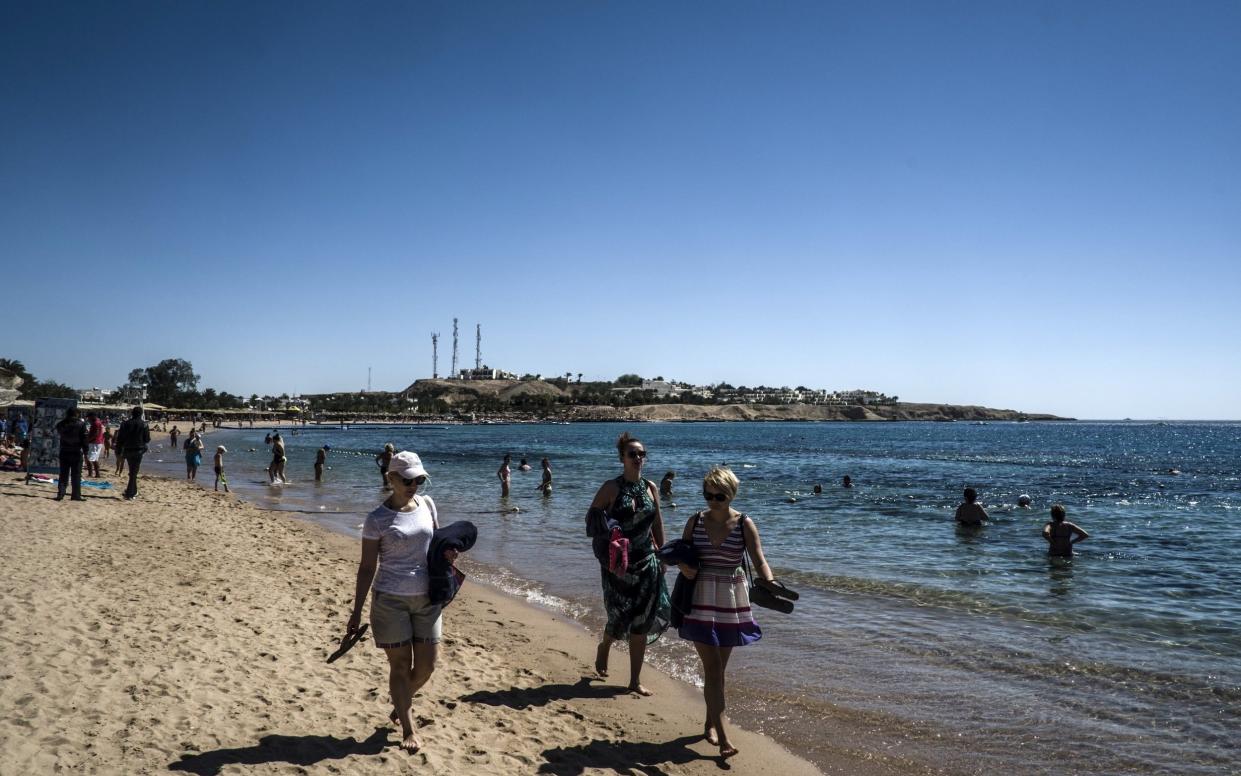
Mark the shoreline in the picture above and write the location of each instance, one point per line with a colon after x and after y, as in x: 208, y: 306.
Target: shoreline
x: 493, y: 663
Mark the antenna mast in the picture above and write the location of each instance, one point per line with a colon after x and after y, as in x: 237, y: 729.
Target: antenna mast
x: 368, y: 379
x: 454, y: 348
x: 435, y: 355
x: 478, y: 346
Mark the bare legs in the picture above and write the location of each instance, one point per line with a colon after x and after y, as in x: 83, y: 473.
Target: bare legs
x: 714, y: 662
x: 637, y: 653
x: 408, y: 670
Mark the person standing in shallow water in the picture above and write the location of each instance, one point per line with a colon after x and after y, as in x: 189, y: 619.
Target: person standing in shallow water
x: 383, y: 460
x: 971, y: 512
x: 636, y: 598
x: 320, y: 461
x: 665, y: 485
x: 505, y: 474
x: 1061, y: 535
x: 720, y: 617
x: 545, y: 487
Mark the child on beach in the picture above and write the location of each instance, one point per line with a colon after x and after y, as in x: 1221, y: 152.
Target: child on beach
x: 219, y: 468
x: 1062, y: 535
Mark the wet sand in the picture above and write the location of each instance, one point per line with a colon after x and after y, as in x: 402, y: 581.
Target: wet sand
x: 188, y: 631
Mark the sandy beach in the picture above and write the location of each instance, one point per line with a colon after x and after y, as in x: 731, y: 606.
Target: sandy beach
x: 187, y: 631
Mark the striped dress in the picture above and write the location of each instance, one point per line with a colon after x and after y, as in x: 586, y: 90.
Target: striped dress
x: 721, y: 614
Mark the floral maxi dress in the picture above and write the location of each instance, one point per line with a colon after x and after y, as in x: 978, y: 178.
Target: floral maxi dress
x: 637, y: 601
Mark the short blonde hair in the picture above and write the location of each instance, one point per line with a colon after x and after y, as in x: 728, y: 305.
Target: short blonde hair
x: 722, y: 479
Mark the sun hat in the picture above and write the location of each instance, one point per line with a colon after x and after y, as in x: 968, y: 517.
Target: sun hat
x: 407, y: 465
x: 221, y: 449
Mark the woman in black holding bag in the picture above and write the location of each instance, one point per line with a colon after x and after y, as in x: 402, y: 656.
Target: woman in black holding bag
x: 636, y: 596
x: 720, y: 618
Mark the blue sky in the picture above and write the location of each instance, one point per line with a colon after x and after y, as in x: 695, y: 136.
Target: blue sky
x: 1030, y: 205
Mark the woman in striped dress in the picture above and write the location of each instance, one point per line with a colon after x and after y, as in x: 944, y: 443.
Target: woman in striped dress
x: 720, y: 618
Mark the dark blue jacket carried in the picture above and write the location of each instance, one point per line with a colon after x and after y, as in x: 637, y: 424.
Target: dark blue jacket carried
x: 446, y: 579
x: 680, y: 551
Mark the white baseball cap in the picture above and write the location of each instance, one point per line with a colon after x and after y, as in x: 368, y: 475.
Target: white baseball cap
x: 407, y: 465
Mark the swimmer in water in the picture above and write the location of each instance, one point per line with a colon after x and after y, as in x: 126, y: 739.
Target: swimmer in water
x: 971, y: 512
x: 1062, y: 535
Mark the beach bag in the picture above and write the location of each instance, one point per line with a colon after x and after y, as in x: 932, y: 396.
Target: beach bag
x: 618, y: 553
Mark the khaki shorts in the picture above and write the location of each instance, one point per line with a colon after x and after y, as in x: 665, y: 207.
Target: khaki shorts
x: 397, y: 620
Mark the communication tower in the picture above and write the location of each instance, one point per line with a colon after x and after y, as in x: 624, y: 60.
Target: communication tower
x: 478, y: 346
x: 435, y: 355
x: 454, y: 349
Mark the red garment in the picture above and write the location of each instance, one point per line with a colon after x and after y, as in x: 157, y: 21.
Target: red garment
x: 94, y: 435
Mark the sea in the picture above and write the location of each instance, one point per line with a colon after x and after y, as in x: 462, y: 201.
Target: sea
x: 914, y: 642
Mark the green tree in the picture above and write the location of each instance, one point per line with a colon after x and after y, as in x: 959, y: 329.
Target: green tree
x: 166, y: 382
x: 629, y: 379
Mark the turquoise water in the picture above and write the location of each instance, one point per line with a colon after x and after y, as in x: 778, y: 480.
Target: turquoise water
x: 969, y: 649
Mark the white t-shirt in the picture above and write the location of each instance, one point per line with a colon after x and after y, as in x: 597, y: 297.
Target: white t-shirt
x: 404, y: 539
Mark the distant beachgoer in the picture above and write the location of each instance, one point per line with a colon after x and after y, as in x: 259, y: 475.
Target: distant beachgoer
x: 818, y: 489
x: 193, y: 454
x: 1024, y: 501
x: 94, y: 444
x: 219, y: 468
x: 320, y: 461
x: 275, y: 471
x: 267, y: 439
x: 665, y: 485
x: 505, y: 474
x: 635, y: 594
x: 847, y: 482
x: 1061, y: 535
x: 546, y: 485
x: 72, y: 433
x: 971, y: 513
x: 720, y: 617
x: 383, y: 460
x: 21, y: 429
x: 172, y: 438
x: 396, y: 539
x: 524, y: 465
x: 132, y: 440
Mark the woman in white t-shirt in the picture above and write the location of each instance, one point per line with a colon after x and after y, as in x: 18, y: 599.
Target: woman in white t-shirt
x: 404, y: 622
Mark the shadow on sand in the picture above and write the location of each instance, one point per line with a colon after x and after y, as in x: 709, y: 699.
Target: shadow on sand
x: 525, y: 697
x: 295, y: 750
x: 624, y: 757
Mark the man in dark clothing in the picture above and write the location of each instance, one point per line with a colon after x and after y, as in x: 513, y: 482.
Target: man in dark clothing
x: 72, y: 432
x: 132, y: 439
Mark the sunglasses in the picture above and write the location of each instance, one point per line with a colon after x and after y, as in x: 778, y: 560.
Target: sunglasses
x: 636, y: 454
x: 413, y: 481
x: 709, y: 496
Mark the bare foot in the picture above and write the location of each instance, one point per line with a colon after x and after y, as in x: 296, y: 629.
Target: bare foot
x: 727, y: 750
x: 640, y: 690
x: 708, y: 732
x: 601, y: 660
x: 412, y: 743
